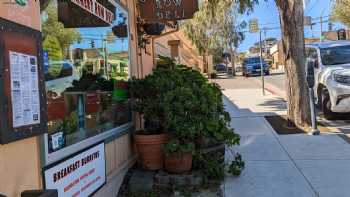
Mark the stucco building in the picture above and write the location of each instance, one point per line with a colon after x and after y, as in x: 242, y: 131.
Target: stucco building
x: 33, y: 155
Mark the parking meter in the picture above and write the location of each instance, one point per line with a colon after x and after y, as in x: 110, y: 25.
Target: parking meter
x: 310, y: 73
x: 310, y: 78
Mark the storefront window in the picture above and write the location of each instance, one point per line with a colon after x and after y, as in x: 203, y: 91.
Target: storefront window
x: 85, y: 73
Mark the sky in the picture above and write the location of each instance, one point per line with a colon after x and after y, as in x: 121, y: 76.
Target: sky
x: 267, y: 14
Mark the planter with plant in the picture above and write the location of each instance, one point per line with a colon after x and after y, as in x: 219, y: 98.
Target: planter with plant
x: 181, y: 107
x: 178, y: 156
x: 197, y: 116
x: 121, y: 30
x: 120, y: 90
x: 153, y: 29
x: 180, y: 100
x: 147, y: 98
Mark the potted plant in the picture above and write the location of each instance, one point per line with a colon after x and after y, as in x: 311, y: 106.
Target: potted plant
x: 121, y: 30
x: 153, y: 29
x: 180, y: 106
x: 196, y: 115
x: 120, y: 90
x: 179, y: 156
x: 180, y: 101
x: 146, y: 99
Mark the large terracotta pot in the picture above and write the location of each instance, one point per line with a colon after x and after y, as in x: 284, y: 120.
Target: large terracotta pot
x: 178, y: 163
x: 150, y: 149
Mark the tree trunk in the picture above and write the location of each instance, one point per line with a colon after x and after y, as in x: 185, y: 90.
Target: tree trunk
x: 205, y: 63
x: 232, y: 54
x: 292, y: 25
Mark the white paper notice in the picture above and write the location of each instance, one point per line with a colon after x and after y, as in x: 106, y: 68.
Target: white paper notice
x: 24, y: 89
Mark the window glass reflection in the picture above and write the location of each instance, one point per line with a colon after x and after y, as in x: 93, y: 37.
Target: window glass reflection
x: 85, y: 74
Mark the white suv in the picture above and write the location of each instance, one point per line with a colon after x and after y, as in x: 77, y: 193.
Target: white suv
x: 332, y: 76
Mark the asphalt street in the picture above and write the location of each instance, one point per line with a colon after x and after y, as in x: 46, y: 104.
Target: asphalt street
x: 277, y: 79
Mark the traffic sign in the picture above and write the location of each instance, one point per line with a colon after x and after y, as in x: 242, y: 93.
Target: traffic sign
x: 254, y: 25
x: 110, y: 37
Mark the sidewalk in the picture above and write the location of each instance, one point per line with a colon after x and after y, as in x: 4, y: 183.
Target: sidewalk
x: 282, y: 166
x: 271, y: 87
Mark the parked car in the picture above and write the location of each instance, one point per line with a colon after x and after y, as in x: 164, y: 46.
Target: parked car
x: 220, y: 68
x: 331, y: 60
x: 239, y: 68
x: 59, y: 76
x: 252, y: 67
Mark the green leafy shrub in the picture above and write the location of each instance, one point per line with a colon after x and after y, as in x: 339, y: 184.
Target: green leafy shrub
x: 181, y: 100
x: 236, y: 167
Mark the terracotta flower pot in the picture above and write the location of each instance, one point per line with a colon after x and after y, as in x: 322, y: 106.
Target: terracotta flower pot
x: 150, y: 149
x: 178, y: 163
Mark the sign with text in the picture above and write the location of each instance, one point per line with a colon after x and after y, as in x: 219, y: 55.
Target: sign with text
x: 85, y: 13
x: 24, y: 89
x: 81, y: 175
x: 254, y: 25
x: 22, y: 115
x: 167, y: 10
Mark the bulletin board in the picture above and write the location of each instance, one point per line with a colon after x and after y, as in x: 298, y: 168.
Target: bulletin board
x: 22, y: 84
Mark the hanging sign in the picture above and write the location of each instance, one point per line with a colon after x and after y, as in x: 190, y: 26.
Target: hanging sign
x: 167, y: 10
x: 85, y: 13
x: 81, y: 175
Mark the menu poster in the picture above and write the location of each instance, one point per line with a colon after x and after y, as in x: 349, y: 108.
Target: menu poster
x: 24, y: 89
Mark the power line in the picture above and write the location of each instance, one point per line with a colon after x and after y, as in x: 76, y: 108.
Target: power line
x: 312, y: 7
x: 94, y: 38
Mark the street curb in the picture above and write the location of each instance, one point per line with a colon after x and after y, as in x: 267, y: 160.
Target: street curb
x: 278, y: 92
x: 272, y: 89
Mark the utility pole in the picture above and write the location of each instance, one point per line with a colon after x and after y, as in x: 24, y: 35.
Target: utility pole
x: 261, y: 65
x: 265, y: 42
x: 321, y: 21
x: 105, y: 57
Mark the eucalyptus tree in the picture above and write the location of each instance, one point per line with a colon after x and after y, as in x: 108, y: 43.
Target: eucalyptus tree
x: 215, y: 27
x: 341, y: 11
x: 52, y: 27
x: 230, y: 29
x: 291, y: 15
